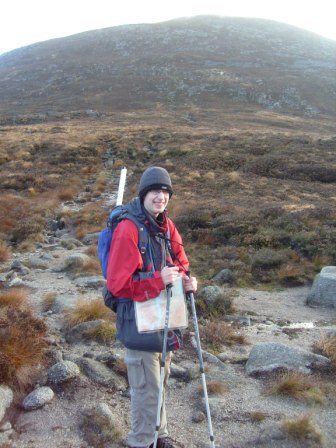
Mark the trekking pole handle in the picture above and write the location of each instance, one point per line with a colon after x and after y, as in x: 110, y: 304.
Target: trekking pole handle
x: 170, y: 285
x: 121, y: 187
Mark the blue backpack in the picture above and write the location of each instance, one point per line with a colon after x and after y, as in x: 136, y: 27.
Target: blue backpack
x: 119, y: 213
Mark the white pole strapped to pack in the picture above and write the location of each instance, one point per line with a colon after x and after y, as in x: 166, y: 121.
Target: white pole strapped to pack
x: 121, y: 188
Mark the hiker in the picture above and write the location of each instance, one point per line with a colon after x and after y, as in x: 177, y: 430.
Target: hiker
x: 134, y: 276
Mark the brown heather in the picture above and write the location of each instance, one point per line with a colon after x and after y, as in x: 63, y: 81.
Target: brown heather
x: 97, y: 429
x: 303, y: 430
x: 5, y: 251
x: 213, y: 388
x: 217, y: 335
x: 48, y: 301
x: 299, y: 387
x: 90, y: 309
x: 14, y: 297
x: 92, y: 250
x: 219, y: 205
x: 326, y: 346
x: 22, y: 344
x: 106, y: 332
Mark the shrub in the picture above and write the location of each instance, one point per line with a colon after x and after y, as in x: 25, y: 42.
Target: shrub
x: 221, y: 305
x: 298, y: 386
x: 24, y: 218
x: 213, y: 388
x: 291, y: 274
x: 268, y: 258
x: 99, y: 429
x: 22, y: 343
x: 90, y: 219
x: 48, y: 301
x: 326, y: 346
x: 89, y: 309
x: 216, y: 335
x: 92, y: 250
x: 67, y: 193
x: 106, y: 332
x: 14, y: 297
x: 5, y: 251
x: 302, y: 429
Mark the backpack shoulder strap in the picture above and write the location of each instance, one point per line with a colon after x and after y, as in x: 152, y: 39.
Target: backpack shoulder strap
x: 142, y: 232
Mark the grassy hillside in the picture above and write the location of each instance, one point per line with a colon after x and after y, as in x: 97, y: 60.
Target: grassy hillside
x: 259, y: 200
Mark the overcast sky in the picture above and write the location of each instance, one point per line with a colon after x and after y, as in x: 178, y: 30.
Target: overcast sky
x: 24, y: 22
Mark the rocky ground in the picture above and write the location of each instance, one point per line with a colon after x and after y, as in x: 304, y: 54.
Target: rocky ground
x: 242, y: 416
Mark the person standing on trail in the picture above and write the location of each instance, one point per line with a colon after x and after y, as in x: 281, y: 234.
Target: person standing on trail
x: 134, y: 276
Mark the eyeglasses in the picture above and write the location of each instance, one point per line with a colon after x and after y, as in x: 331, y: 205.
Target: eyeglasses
x: 158, y: 192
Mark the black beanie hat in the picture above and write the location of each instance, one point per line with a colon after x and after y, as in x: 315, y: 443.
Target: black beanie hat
x: 155, y: 178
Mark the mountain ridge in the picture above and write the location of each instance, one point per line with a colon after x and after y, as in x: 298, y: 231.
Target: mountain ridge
x: 208, y: 62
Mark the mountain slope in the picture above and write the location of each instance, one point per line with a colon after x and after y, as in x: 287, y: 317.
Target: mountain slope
x: 207, y: 62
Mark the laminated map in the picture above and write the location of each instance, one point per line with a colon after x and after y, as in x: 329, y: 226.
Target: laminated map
x: 150, y: 315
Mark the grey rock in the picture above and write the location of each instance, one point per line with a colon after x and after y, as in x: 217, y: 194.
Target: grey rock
x: 101, y: 374
x: 323, y: 291
x: 269, y: 357
x: 217, y: 406
x: 212, y: 359
x: 80, y: 332
x: 15, y: 281
x: 234, y: 355
x: 6, y: 398
x: 63, y: 371
x: 6, y: 438
x: 105, y: 410
x: 198, y: 417
x: 224, y: 276
x: 178, y: 372
x: 38, y: 398
x: 90, y: 238
x: 19, y: 267
x: 64, y: 303
x: 47, y: 257
x: 72, y: 261
x: 242, y: 320
x: 94, y: 281
x: 70, y: 243
x: 6, y: 426
x: 211, y: 293
x: 37, y: 263
x: 55, y: 356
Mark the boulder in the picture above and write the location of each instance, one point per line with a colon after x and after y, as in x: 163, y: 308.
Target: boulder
x: 38, y: 398
x: 63, y: 371
x: 211, y: 294
x: 323, y: 291
x: 93, y: 281
x: 101, y: 374
x: 269, y: 357
x: 82, y: 331
x: 223, y: 276
x: 6, y: 398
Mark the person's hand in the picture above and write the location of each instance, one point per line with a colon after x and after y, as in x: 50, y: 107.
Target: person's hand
x: 190, y: 283
x: 169, y: 274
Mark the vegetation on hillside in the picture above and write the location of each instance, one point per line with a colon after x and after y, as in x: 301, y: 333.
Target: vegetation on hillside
x: 260, y: 204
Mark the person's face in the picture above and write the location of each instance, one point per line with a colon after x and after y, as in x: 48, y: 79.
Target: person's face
x: 156, y: 201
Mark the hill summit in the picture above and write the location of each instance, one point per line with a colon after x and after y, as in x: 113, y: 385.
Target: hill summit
x: 207, y: 61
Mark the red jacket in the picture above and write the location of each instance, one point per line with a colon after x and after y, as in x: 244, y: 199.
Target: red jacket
x: 125, y: 260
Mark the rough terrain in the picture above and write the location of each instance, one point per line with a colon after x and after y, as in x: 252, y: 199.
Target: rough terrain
x: 278, y: 316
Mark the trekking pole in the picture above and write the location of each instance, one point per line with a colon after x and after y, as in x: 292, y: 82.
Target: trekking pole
x: 121, y: 187
x: 163, y: 362
x: 190, y: 295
